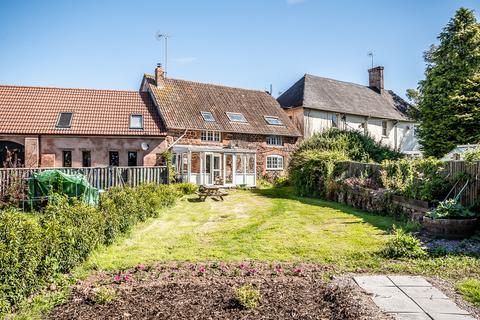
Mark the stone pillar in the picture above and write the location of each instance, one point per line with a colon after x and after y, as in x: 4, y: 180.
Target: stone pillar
x: 31, y: 152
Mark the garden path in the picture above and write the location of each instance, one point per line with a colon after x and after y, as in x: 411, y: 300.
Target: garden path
x: 410, y: 298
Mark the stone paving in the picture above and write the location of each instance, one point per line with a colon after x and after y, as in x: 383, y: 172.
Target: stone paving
x: 410, y: 298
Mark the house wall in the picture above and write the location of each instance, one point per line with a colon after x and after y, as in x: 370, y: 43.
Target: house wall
x: 400, y: 134
x: 47, y: 151
x: 242, y: 141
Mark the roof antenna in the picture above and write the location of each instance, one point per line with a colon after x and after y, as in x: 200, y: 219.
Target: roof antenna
x: 370, y: 54
x: 159, y: 37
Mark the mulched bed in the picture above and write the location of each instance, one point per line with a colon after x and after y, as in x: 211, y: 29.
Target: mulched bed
x: 207, y: 291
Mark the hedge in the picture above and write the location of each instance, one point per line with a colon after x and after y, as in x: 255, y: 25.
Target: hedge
x: 37, y: 247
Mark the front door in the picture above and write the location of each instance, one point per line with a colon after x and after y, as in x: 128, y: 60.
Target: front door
x: 213, y: 168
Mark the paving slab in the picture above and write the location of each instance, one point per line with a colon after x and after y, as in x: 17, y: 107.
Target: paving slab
x: 439, y: 306
x: 446, y: 316
x: 409, y: 281
x: 411, y: 316
x: 393, y: 300
x: 369, y: 283
x: 424, y: 292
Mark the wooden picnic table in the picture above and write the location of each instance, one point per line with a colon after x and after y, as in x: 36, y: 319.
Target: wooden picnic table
x: 210, y: 191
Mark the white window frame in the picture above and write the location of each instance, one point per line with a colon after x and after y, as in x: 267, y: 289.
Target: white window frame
x: 274, y: 140
x: 230, y: 116
x: 206, y: 115
x: 384, y: 128
x: 211, y: 136
x: 280, y: 123
x: 276, y: 165
x: 141, y: 121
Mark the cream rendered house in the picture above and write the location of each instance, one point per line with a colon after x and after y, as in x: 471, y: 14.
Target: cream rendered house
x: 316, y: 104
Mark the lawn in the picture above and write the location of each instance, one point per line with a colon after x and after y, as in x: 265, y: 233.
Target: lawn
x: 271, y: 225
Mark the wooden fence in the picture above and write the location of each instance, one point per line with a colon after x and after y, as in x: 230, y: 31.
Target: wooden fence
x: 468, y: 187
x: 101, y: 178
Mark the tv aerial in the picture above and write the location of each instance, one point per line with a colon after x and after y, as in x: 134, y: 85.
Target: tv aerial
x: 370, y: 54
x: 159, y: 36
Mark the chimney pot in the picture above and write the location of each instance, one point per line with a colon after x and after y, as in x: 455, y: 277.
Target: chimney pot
x: 159, y: 75
x: 375, y: 79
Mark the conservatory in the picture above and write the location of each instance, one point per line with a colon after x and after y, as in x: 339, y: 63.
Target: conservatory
x: 210, y: 165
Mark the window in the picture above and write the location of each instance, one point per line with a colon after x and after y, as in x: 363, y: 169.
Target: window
x: 274, y: 163
x: 236, y: 117
x: 86, y: 158
x: 207, y: 116
x: 136, y: 121
x: 64, y: 119
x: 114, y: 159
x: 132, y: 158
x: 273, y: 121
x: 274, y: 141
x: 334, y: 121
x: 384, y: 127
x: 67, y: 159
x: 208, y: 135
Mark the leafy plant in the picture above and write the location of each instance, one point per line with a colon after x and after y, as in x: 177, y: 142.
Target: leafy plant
x: 470, y: 289
x: 247, y: 296
x: 402, y: 245
x: 472, y: 155
x: 103, y: 295
x: 450, y: 209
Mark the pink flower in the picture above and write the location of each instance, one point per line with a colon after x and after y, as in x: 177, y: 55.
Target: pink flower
x: 141, y: 267
x: 126, y: 278
x: 297, y: 270
x: 278, y: 269
x: 242, y: 266
x: 117, y: 278
x: 252, y: 271
x: 201, y: 269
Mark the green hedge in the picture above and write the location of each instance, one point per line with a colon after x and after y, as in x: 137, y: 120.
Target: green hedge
x: 35, y: 248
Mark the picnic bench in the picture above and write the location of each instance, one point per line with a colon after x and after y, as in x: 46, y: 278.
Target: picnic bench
x: 210, y: 191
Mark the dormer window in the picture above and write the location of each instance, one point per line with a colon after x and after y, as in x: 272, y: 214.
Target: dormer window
x: 207, y: 116
x: 275, y: 121
x: 136, y: 121
x: 236, y: 117
x: 64, y: 120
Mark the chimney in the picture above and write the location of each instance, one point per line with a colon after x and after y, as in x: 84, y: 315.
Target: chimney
x: 159, y: 75
x: 375, y: 79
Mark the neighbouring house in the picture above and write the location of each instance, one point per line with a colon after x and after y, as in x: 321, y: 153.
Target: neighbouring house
x: 315, y: 104
x: 217, y: 134
x: 458, y: 152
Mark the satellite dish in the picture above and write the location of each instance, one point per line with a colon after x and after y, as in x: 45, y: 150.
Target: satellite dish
x: 158, y: 35
x: 145, y: 146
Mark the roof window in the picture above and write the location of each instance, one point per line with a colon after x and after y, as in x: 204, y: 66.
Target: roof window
x: 136, y: 121
x: 207, y: 116
x: 236, y: 117
x: 64, y: 119
x: 273, y: 120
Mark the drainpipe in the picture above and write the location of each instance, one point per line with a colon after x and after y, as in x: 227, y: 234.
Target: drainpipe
x: 39, y: 151
x: 395, y: 134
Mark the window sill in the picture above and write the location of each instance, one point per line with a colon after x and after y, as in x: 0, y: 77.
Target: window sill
x: 278, y: 169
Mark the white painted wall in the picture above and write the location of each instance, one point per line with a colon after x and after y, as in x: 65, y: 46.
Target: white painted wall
x: 400, y: 135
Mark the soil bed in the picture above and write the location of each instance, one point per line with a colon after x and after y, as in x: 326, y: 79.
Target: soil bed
x: 207, y: 291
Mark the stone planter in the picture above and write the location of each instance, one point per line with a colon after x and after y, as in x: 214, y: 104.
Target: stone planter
x: 450, y: 228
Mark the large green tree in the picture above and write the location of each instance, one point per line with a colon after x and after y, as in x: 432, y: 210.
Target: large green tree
x: 448, y: 108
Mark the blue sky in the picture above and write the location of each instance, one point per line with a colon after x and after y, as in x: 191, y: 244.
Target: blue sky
x: 110, y: 44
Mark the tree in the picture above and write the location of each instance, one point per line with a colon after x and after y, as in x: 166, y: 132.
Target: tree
x: 448, y: 108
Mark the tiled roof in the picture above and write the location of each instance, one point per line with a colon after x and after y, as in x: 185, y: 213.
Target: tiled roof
x: 344, y: 97
x: 34, y: 110
x: 180, y: 103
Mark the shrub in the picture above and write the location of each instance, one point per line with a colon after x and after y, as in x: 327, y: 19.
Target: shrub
x: 420, y: 179
x: 402, y: 245
x: 472, y: 155
x: 450, y: 209
x: 247, y: 296
x: 281, y: 182
x: 470, y: 289
x: 310, y: 171
x: 186, y: 188
x: 103, y: 295
x: 354, y: 145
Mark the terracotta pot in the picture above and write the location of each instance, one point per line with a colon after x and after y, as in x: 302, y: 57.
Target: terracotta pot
x: 450, y: 228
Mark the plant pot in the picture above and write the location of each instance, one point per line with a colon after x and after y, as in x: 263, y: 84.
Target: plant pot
x: 450, y: 228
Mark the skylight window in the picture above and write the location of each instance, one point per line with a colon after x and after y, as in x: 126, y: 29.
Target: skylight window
x: 136, y: 121
x: 236, y: 117
x: 273, y: 120
x: 64, y: 120
x: 207, y: 116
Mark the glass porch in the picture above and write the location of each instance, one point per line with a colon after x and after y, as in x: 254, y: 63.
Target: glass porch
x: 204, y: 165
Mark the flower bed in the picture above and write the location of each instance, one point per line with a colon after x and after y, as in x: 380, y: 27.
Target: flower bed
x: 450, y: 228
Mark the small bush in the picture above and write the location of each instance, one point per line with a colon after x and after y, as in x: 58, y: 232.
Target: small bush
x: 470, y: 290
x: 281, y: 182
x: 403, y: 245
x: 472, y: 155
x: 450, y: 209
x: 103, y: 295
x: 247, y: 296
x: 186, y: 188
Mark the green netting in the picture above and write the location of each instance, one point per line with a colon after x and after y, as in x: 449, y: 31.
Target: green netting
x: 72, y: 185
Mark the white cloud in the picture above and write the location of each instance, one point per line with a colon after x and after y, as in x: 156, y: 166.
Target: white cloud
x: 294, y: 2
x: 184, y: 60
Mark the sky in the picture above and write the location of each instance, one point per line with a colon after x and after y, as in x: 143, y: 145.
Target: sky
x: 108, y: 44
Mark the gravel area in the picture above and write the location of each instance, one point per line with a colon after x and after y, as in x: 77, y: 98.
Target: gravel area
x: 469, y: 246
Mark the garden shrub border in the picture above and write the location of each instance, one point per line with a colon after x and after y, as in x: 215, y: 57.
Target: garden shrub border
x: 37, y: 248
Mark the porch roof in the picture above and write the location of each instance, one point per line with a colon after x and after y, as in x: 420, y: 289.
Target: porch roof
x: 218, y: 149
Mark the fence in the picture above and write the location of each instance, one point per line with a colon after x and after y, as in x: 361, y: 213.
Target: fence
x: 468, y: 187
x: 100, y: 178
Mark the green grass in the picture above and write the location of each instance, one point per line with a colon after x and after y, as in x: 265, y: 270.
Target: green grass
x: 470, y: 289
